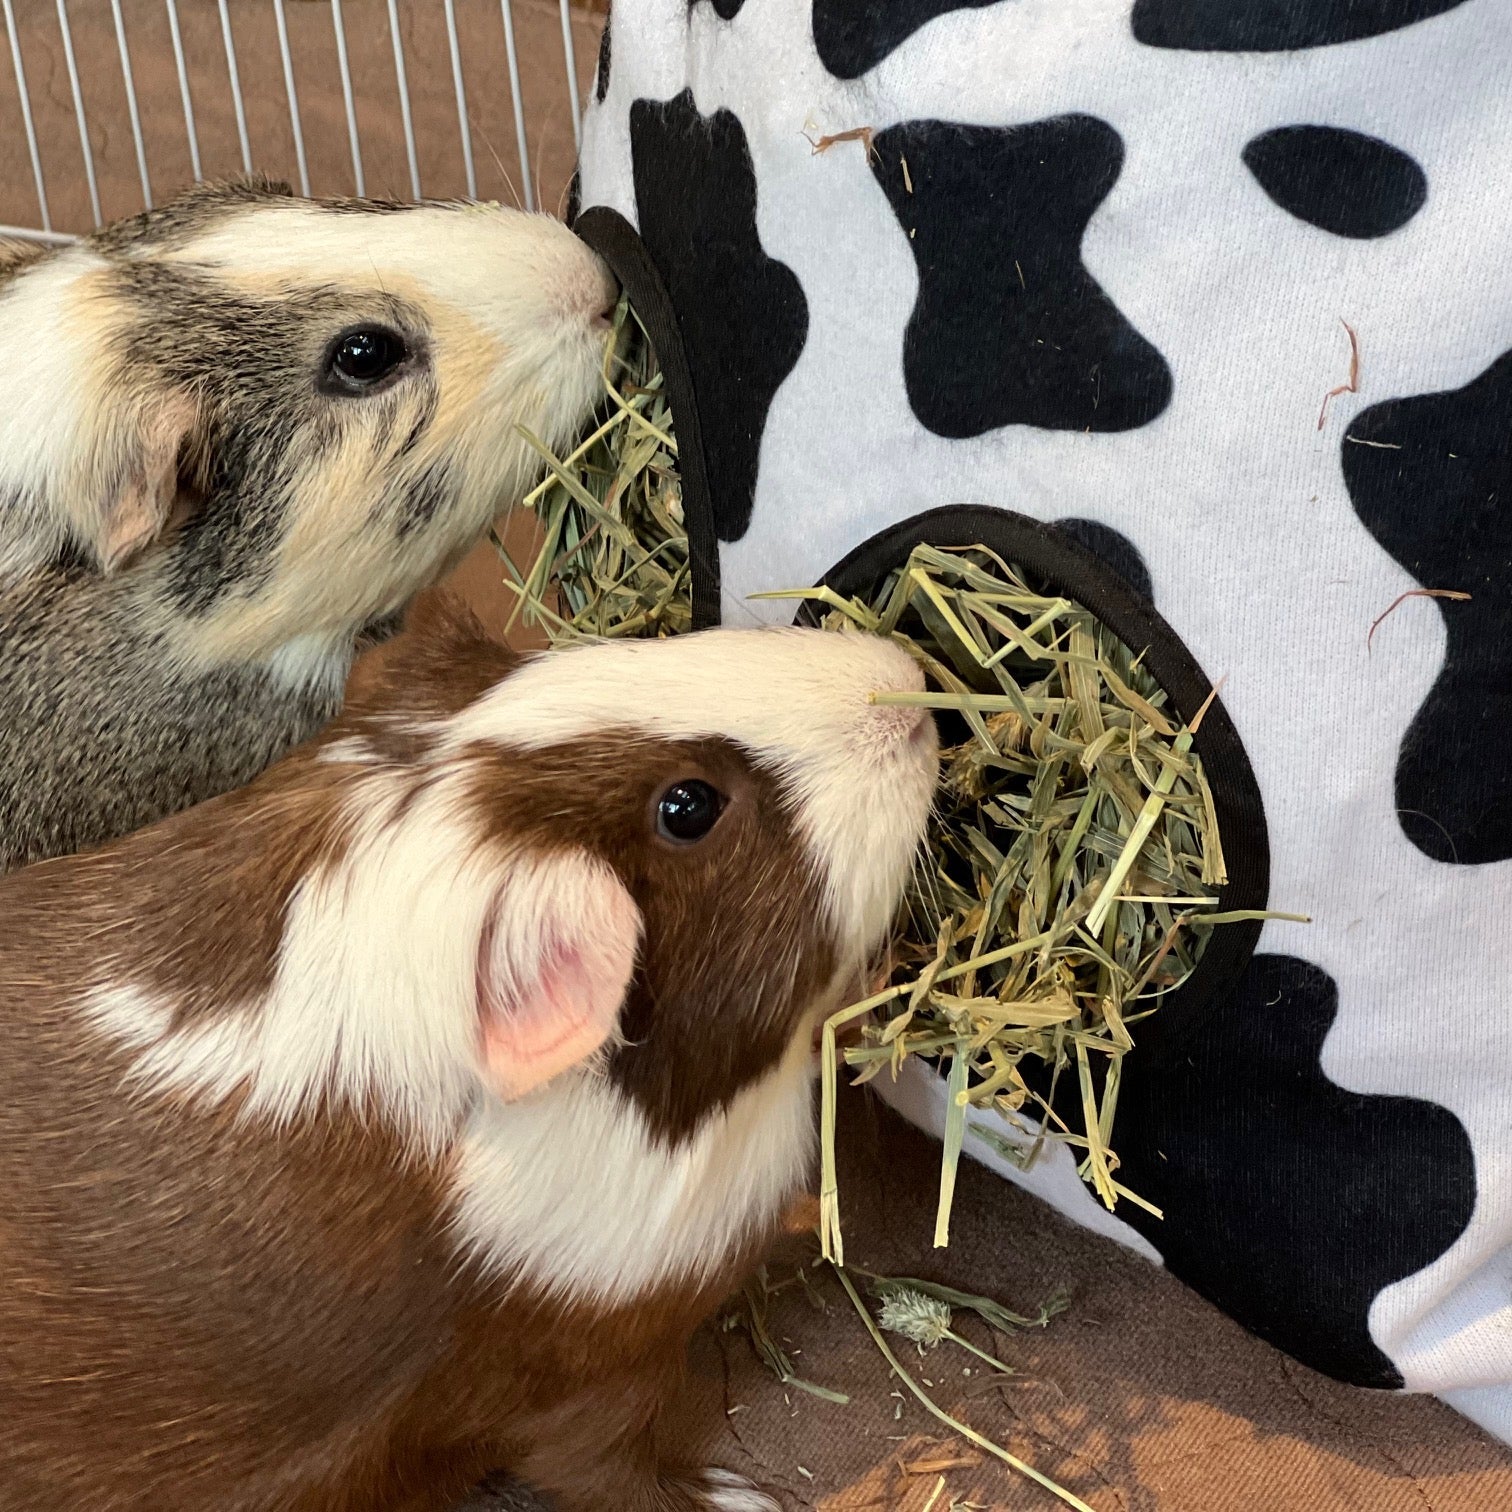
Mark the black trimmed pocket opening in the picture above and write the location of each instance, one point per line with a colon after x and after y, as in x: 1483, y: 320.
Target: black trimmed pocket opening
x: 1064, y: 566
x: 615, y: 240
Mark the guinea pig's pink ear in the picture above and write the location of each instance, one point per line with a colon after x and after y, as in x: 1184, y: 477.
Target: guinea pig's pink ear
x: 143, y: 501
x: 554, y: 964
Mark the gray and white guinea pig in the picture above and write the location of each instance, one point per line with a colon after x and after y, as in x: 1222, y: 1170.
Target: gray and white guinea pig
x: 397, y: 1117
x: 237, y: 435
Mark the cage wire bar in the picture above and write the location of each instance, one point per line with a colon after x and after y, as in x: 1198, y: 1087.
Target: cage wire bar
x: 182, y: 66
x: 463, y: 126
x: 131, y: 101
x: 18, y: 70
x: 65, y: 32
x: 45, y: 231
x: 228, y: 41
x: 507, y: 10
x: 292, y: 91
x: 406, y: 114
x: 347, y: 98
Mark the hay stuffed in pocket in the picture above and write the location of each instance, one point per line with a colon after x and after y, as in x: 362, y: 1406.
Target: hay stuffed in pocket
x: 1071, y: 871
x: 613, y: 553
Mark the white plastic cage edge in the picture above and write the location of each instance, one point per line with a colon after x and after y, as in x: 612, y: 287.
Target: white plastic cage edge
x: 44, y: 232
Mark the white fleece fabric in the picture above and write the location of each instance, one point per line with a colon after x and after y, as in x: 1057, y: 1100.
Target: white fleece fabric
x: 1203, y: 258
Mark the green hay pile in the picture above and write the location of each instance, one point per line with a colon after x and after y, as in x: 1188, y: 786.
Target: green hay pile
x: 613, y: 555
x: 1072, y: 869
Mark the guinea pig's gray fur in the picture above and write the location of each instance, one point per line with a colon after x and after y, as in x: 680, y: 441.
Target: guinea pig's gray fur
x: 237, y: 435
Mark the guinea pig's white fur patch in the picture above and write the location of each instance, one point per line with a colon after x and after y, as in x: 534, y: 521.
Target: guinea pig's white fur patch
x: 728, y: 1492
x: 567, y: 1188
x: 795, y: 699
x: 315, y: 661
x: 374, y: 1002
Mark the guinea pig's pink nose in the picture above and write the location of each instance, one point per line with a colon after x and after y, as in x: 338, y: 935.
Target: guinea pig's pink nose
x: 599, y: 294
x: 608, y: 300
x: 903, y: 723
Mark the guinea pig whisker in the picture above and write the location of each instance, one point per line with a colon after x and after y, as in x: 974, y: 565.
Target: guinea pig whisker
x: 498, y: 161
x: 540, y: 151
x: 922, y: 881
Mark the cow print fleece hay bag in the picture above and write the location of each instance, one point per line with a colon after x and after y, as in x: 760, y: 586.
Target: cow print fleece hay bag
x: 1203, y: 310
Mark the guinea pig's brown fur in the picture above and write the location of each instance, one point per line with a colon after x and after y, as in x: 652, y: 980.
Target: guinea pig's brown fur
x: 396, y: 1118
x: 210, y: 497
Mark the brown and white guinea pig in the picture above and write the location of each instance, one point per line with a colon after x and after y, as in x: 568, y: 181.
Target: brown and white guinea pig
x: 397, y: 1117
x: 237, y: 435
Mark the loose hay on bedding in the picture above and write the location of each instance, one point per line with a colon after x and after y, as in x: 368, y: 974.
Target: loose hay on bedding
x: 1070, y: 876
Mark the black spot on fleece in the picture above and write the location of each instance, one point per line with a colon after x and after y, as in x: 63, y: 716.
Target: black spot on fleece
x: 1430, y: 477
x: 853, y: 36
x: 1289, y: 1201
x: 1009, y: 327
x: 1341, y: 181
x: 1274, y: 25
x: 741, y: 314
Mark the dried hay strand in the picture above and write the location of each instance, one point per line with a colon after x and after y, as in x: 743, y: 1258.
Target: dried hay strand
x: 1071, y: 874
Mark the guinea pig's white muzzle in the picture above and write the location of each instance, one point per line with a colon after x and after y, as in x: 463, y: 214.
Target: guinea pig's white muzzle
x: 606, y: 297
x: 552, y: 330
x: 546, y: 297
x: 871, y: 794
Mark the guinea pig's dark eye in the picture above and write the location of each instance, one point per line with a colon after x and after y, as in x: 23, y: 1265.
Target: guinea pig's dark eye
x: 363, y: 357
x: 688, y: 810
